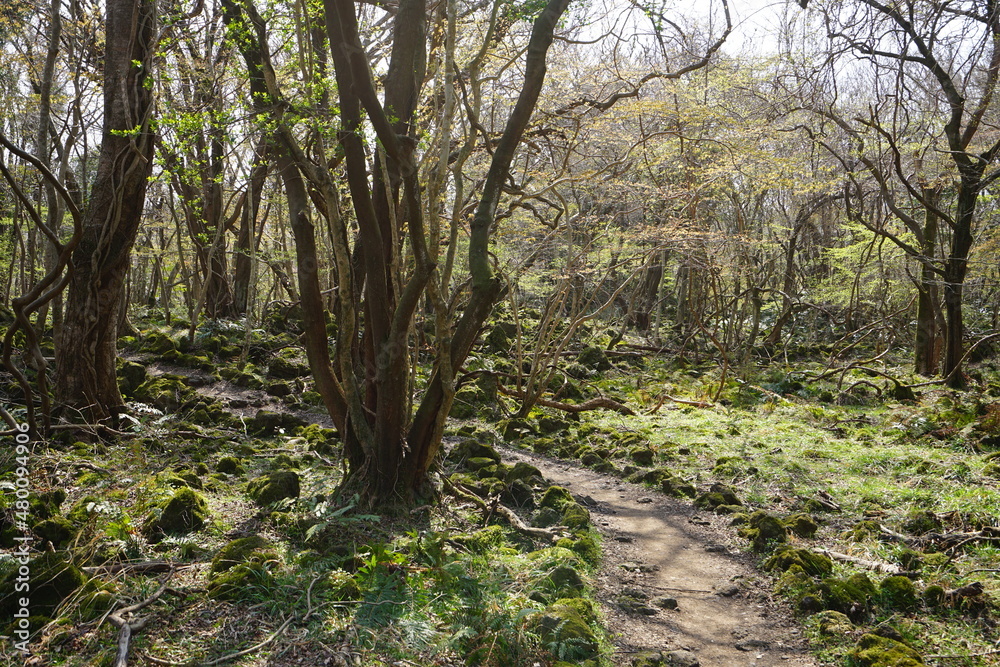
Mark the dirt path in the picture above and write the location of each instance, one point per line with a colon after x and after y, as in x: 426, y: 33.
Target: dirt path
x: 659, y: 549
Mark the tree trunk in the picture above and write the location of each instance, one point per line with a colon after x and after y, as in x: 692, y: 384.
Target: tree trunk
x: 926, y: 344
x: 86, y: 349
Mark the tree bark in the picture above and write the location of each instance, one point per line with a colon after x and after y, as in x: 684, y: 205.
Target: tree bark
x: 86, y: 349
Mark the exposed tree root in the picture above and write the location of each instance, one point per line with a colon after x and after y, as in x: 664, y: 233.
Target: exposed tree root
x: 878, y: 566
x: 126, y: 628
x: 515, y: 521
x: 592, y: 404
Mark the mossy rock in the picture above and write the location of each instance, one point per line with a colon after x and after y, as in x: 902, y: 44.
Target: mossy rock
x: 519, y: 494
x: 875, y: 651
x: 643, y: 456
x: 237, y: 581
x: 550, y: 425
x: 843, y: 596
x: 229, y: 465
x: 678, y: 488
x: 586, y: 546
x: 130, y: 376
x: 273, y: 487
x: 556, y: 497
x: 524, y: 472
x: 284, y: 368
x: 594, y: 358
x: 478, y: 463
x: 561, y: 624
x: 267, y: 423
x: 546, y: 517
x: 801, y: 524
x: 718, y: 494
x: 58, y: 531
x: 157, y: 342
x: 833, y: 623
x: 481, y: 541
x: 897, y: 592
x: 343, y: 587
x: 51, y: 578
x: 46, y: 505
x: 166, y: 392
x: 785, y: 556
x: 471, y: 448
x: 934, y: 596
x: 795, y: 583
x: 991, y: 470
x: 185, y: 512
x: 253, y: 549
x: 242, y: 377
x: 762, y: 529
x: 921, y: 522
x: 575, y: 516
x: 551, y: 557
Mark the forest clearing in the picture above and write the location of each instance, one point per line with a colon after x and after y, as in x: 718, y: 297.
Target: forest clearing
x: 499, y: 333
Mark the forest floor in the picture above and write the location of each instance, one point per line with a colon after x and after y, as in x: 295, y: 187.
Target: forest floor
x: 697, y: 598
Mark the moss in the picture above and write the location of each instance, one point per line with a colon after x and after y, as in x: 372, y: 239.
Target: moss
x: 58, y: 531
x: 921, y: 522
x: 785, y: 556
x: 794, y: 583
x: 243, y: 550
x: 524, y: 472
x: 562, y: 625
x: 832, y: 623
x: 594, y: 358
x: 840, y: 595
x: 875, y: 651
x: 763, y: 529
x: 157, y: 342
x: 719, y: 494
x: 934, y: 596
x: 286, y: 367
x: 678, y: 488
x: 343, y: 587
x: 166, y: 392
x: 575, y: 516
x: 801, y: 524
x: 519, y: 494
x: 643, y: 456
x: 267, y: 423
x: 183, y: 513
x: 229, y: 465
x: 51, y: 578
x: 130, y: 376
x: 546, y: 517
x: 898, y: 592
x: 556, y: 497
x: 586, y: 546
x: 481, y: 541
x: 471, y: 448
x: 550, y: 425
x: 237, y: 581
x: 273, y: 487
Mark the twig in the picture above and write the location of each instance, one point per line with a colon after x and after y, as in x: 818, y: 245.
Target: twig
x: 888, y: 568
x: 126, y: 628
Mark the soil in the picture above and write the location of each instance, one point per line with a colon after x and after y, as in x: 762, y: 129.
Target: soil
x: 657, y: 547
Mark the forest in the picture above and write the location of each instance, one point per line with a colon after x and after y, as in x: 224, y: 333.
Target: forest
x: 367, y: 333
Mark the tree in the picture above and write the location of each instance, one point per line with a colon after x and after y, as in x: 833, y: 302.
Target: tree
x: 86, y: 349
x: 947, y: 56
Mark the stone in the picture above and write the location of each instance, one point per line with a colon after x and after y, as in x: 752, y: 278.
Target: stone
x: 875, y: 651
x: 130, y: 375
x: 664, y: 602
x: 183, y: 513
x: 273, y: 487
x: 51, y: 578
x: 556, y: 497
x: 785, y: 556
x: 898, y: 592
x: 833, y: 623
x: 563, y: 624
x: 252, y: 549
x: 680, y: 658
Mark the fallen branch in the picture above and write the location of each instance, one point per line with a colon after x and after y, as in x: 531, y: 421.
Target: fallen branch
x: 459, y: 491
x: 878, y: 566
x: 695, y: 404
x: 126, y: 628
x: 143, y: 567
x: 592, y: 404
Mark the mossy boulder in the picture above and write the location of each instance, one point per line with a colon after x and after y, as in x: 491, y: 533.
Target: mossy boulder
x: 286, y: 368
x: 875, y: 651
x: 556, y: 497
x: 273, y: 487
x: 519, y: 494
x: 252, y: 549
x: 471, y: 449
x: 51, y: 578
x: 934, y: 595
x: 130, y: 376
x: 594, y: 358
x: 585, y: 545
x: 575, y: 516
x: 785, y: 556
x: 801, y: 524
x: 267, y: 423
x: 643, y: 456
x: 716, y: 496
x: 58, y: 531
x: 524, y: 472
x: 546, y: 517
x: 229, y: 465
x: 157, y: 342
x: 238, y: 581
x: 763, y: 529
x: 166, y: 392
x: 921, y: 522
x: 843, y: 596
x: 898, y: 592
x: 562, y: 623
x: 185, y: 512
x: 832, y: 623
